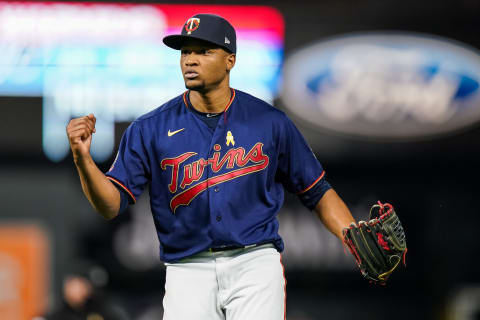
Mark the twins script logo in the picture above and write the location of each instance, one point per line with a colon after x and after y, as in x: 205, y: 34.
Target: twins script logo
x: 246, y: 162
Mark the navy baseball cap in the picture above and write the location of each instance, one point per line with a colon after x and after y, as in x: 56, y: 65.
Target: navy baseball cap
x: 207, y: 27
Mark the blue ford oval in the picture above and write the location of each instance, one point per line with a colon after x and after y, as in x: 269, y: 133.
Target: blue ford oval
x: 394, y: 86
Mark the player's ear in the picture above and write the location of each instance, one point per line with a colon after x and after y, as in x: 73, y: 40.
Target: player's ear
x: 230, y: 60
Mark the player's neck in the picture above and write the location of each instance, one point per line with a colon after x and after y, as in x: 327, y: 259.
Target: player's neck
x: 212, y: 101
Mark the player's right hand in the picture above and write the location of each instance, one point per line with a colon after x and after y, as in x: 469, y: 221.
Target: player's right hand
x: 79, y: 133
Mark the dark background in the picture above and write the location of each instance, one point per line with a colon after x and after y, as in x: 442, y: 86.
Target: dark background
x: 432, y: 183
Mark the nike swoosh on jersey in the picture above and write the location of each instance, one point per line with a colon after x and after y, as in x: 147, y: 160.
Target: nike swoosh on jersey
x: 171, y: 133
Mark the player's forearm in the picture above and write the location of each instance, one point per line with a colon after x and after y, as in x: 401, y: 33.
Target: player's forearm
x: 100, y: 192
x: 333, y: 213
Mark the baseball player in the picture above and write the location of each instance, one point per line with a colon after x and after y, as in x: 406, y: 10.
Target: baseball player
x: 217, y: 161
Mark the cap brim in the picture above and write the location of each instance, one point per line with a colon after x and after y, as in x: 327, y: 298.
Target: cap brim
x: 177, y: 41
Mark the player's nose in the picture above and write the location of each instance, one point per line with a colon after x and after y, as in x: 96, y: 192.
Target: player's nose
x: 191, y: 60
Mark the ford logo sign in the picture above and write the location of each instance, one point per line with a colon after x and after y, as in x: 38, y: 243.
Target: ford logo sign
x: 381, y: 85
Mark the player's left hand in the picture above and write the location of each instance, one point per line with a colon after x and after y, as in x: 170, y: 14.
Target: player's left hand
x: 379, y: 245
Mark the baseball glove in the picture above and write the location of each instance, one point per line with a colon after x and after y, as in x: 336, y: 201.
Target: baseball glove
x: 378, y: 245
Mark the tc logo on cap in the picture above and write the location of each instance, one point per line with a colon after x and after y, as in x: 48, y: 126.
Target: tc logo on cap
x: 192, y: 25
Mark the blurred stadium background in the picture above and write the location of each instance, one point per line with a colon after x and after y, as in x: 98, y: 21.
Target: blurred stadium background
x: 386, y: 92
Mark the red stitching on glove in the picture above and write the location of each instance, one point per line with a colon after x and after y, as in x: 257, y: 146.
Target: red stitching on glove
x: 404, y: 256
x: 382, y: 213
x: 382, y: 241
x: 353, y: 250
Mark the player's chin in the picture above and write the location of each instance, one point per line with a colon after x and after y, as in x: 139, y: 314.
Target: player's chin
x: 195, y: 85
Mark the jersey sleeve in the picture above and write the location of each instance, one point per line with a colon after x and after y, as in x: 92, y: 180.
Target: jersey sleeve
x: 124, y: 199
x: 298, y: 168
x: 130, y: 169
x: 311, y: 197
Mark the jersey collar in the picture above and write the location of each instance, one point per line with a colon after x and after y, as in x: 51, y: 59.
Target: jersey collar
x: 186, y: 99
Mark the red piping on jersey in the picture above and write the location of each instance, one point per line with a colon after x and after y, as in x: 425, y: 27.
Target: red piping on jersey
x: 224, y: 110
x: 185, y: 98
x: 228, y: 106
x: 123, y: 187
x: 314, y: 182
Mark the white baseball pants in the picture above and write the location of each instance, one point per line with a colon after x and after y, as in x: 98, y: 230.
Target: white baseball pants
x: 240, y: 284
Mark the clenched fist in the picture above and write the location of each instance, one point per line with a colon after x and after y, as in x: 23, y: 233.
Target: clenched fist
x: 79, y: 132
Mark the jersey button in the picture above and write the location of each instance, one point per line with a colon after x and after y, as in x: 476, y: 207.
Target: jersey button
x: 216, y: 189
x: 219, y: 218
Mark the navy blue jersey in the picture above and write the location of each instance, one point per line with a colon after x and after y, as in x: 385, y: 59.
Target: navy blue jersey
x: 214, y: 187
